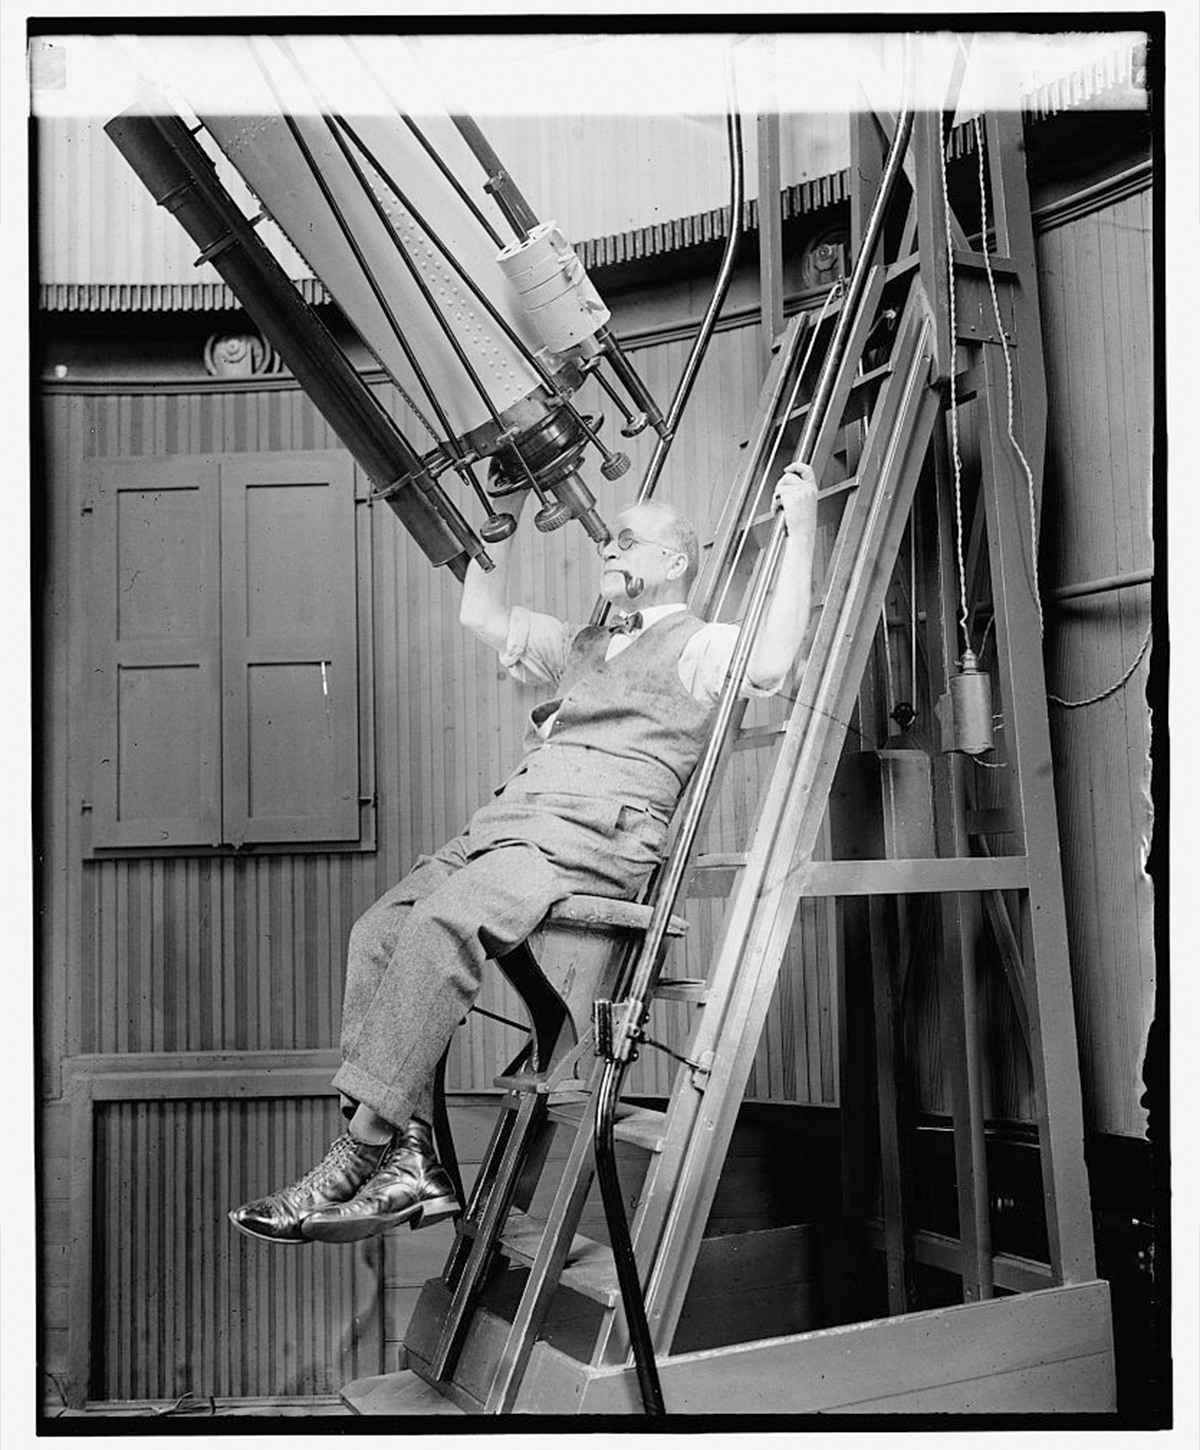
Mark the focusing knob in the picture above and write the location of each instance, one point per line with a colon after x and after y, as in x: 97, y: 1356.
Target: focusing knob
x: 552, y: 517
x: 635, y: 425
x: 615, y: 465
x: 497, y: 528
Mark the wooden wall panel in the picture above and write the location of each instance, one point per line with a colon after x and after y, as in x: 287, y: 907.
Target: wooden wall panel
x: 97, y: 224
x: 246, y: 952
x: 1096, y: 290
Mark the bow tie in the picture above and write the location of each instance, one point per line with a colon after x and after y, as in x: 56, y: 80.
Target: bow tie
x: 627, y: 624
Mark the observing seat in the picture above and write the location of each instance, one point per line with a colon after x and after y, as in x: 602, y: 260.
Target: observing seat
x: 573, y: 958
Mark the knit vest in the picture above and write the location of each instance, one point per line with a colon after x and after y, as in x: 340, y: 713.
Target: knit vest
x: 626, y: 729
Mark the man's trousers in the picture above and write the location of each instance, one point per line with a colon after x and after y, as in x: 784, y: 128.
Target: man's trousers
x: 416, y: 958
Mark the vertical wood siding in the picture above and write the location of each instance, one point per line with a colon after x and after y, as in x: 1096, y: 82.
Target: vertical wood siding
x: 1097, y: 300
x: 594, y: 176
x: 210, y: 953
x: 96, y: 222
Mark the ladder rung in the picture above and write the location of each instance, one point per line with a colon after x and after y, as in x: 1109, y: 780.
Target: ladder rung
x: 835, y: 491
x: 682, y: 989
x: 720, y: 861
x: 873, y: 375
x: 640, y: 1127
x: 750, y: 737
x: 534, y: 1082
x: 589, y: 1269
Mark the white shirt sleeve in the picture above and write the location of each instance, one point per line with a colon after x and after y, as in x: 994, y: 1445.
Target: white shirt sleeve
x: 537, y: 646
x: 705, y: 662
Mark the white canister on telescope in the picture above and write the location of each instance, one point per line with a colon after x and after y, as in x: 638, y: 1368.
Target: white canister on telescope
x: 554, y: 288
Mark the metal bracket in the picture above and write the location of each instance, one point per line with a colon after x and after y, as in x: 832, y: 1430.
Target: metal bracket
x: 701, y: 1071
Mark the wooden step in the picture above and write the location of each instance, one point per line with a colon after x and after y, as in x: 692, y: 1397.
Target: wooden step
x: 642, y: 1127
x: 601, y: 913
x: 589, y: 1269
x: 404, y: 1393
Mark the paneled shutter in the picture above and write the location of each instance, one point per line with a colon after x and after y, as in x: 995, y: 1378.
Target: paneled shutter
x: 156, y: 670
x: 290, y: 693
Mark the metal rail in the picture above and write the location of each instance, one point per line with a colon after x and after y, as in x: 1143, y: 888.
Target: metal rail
x: 737, y: 188
x: 627, y: 1032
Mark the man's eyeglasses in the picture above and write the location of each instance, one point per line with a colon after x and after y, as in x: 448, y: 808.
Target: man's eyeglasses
x: 627, y: 538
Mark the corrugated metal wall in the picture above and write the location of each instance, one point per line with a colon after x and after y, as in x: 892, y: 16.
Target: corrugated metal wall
x: 1097, y: 301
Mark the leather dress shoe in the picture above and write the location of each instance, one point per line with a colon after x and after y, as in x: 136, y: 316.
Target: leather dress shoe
x: 410, y: 1187
x: 277, y: 1218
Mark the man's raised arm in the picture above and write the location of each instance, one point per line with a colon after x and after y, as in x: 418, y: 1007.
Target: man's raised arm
x: 781, y: 637
x: 485, y: 608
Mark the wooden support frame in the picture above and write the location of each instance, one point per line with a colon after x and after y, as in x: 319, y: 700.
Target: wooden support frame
x: 1048, y: 1351
x: 1067, y: 1367
x: 770, y: 214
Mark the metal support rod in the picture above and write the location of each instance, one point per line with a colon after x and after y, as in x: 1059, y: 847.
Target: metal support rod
x: 756, y: 607
x: 430, y: 150
x: 733, y: 127
x: 647, y: 964
x: 618, y: 401
x: 461, y: 464
x: 632, y: 1299
x: 476, y: 291
x: 517, y: 211
x: 1101, y: 586
x: 418, y: 280
x: 737, y: 187
x: 629, y: 376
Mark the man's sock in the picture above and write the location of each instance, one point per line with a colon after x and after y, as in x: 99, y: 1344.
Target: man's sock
x: 368, y: 1127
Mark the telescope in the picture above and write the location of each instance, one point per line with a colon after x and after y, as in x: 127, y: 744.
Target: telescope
x: 487, y: 338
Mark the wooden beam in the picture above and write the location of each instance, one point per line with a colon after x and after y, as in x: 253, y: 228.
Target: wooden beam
x: 890, y: 1095
x: 959, y: 1016
x: 79, y: 1334
x: 1049, y: 1351
x: 1005, y: 139
x: 931, y: 234
x: 770, y: 212
x: 957, y: 920
x: 1054, y: 1052
x: 904, y: 878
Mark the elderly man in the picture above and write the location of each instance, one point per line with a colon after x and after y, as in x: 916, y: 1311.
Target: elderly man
x: 586, y: 811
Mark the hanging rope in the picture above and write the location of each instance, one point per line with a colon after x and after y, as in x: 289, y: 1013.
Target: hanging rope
x: 955, y: 451
x: 1008, y: 374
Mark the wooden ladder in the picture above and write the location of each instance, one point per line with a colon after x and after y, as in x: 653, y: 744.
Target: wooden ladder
x: 478, y: 1358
